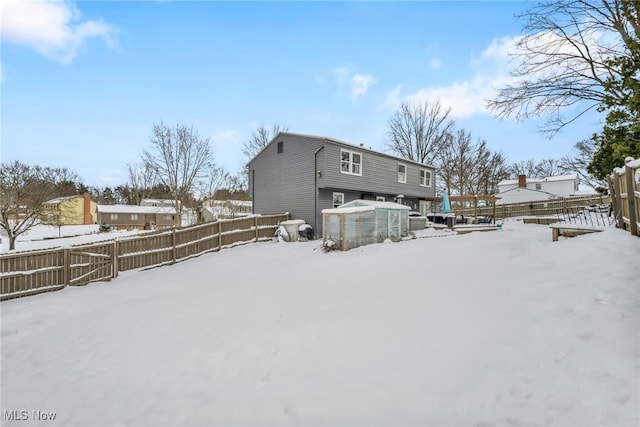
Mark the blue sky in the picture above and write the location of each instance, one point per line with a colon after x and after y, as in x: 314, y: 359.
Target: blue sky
x: 83, y: 82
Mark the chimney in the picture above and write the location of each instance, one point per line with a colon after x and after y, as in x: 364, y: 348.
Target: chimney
x: 87, y: 209
x: 522, y: 181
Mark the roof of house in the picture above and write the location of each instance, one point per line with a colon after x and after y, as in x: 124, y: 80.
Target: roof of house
x: 349, y: 145
x: 135, y: 209
x: 527, y: 190
x: 568, y: 177
x: 62, y: 199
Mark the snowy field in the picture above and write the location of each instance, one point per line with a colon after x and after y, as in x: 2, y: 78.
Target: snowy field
x: 501, y: 328
x: 49, y: 236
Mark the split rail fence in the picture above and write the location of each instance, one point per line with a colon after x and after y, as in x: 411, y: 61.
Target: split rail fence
x: 32, y: 272
x: 624, y: 184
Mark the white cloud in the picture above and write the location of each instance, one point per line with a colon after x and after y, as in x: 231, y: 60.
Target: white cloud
x: 53, y: 29
x: 435, y: 63
x: 467, y: 97
x: 342, y: 74
x: 356, y: 84
x: 360, y: 85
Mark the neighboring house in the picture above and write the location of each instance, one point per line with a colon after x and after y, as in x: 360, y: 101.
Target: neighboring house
x: 304, y: 174
x: 521, y: 195
x: 189, y: 216
x: 71, y: 210
x: 214, y: 209
x: 133, y: 217
x: 560, y: 185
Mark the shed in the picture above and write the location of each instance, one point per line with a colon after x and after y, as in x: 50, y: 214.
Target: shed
x: 362, y: 222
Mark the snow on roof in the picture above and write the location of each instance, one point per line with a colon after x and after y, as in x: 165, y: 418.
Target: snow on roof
x: 353, y: 209
x: 61, y: 199
x: 376, y: 204
x: 634, y: 163
x: 568, y: 177
x: 135, y: 209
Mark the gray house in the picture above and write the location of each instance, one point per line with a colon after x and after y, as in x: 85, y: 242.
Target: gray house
x: 303, y: 174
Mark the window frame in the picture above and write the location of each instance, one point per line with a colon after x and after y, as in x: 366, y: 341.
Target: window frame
x: 423, y: 178
x: 380, y: 199
x: 404, y: 174
x: 333, y: 199
x: 113, y: 217
x: 134, y: 217
x: 280, y: 147
x: 350, y: 163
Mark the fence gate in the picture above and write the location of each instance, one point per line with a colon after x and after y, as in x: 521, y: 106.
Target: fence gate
x: 91, y: 263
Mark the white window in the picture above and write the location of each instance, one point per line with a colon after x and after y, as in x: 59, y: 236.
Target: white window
x: 380, y: 199
x: 169, y: 218
x: 338, y: 199
x: 134, y: 217
x: 425, y: 178
x: 350, y: 162
x: 402, y: 173
x: 113, y: 217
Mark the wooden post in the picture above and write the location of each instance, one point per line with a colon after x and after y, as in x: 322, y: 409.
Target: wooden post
x: 66, y: 271
x: 494, y: 212
x: 114, y: 260
x: 219, y: 235
x: 615, y: 196
x: 631, y: 200
x: 255, y: 224
x: 173, y: 243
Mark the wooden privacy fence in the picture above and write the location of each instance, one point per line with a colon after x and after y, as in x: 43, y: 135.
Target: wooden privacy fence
x: 551, y: 207
x: 624, y: 185
x: 32, y: 272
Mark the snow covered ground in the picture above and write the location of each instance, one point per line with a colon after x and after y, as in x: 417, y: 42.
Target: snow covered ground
x: 483, y: 329
x: 49, y: 236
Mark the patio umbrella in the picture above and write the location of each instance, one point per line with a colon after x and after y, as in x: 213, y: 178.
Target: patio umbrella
x: 446, y: 206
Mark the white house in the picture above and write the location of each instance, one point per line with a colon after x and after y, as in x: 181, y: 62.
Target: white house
x: 526, y: 189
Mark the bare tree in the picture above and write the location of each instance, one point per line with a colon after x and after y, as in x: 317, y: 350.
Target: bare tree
x: 566, y: 59
x: 215, y: 179
x: 529, y: 168
x: 142, y: 179
x: 24, y: 193
x: 180, y: 158
x: 467, y: 167
x: 417, y: 132
x: 260, y: 138
x: 550, y: 167
x: 489, y: 168
x: 578, y: 161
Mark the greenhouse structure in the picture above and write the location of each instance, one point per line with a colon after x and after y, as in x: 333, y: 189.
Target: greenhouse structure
x: 362, y: 222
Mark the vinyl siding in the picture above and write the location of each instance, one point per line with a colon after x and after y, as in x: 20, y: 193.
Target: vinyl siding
x: 379, y: 174
x: 285, y: 182
x: 288, y: 182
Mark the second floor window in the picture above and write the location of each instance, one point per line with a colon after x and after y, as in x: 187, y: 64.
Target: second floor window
x: 134, y: 217
x: 402, y: 173
x: 113, y: 217
x: 425, y: 178
x: 350, y: 162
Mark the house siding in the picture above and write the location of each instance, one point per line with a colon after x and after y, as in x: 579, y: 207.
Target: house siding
x: 303, y: 178
x: 285, y: 181
x: 379, y: 174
